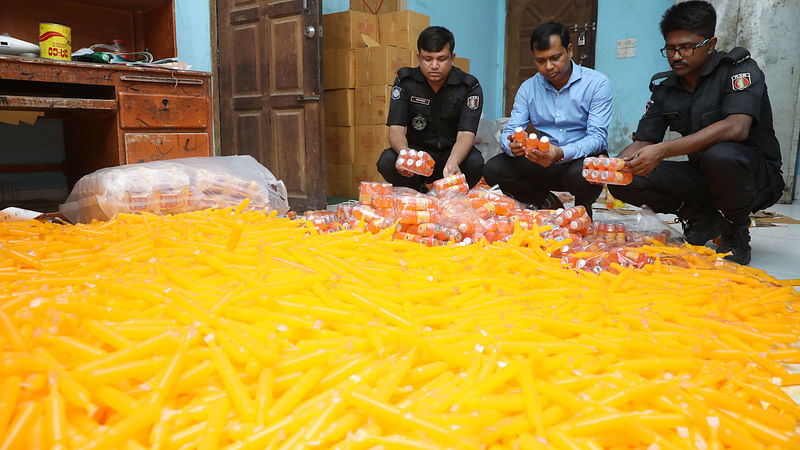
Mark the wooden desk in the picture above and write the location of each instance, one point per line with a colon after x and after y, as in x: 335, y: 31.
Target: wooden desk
x: 113, y: 114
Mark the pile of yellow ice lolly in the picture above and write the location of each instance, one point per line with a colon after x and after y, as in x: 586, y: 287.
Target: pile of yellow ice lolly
x: 235, y: 330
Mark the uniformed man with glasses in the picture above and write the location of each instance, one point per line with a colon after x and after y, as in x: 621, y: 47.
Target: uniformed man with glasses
x: 718, y: 103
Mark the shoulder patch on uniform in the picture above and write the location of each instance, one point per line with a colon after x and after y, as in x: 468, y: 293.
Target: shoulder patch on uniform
x: 473, y: 102
x: 404, y: 72
x: 740, y: 81
x: 657, y: 77
x: 738, y: 55
x: 396, y: 91
x: 470, y: 81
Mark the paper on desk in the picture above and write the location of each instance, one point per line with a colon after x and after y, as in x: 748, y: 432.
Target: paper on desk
x: 15, y: 117
x: 12, y: 214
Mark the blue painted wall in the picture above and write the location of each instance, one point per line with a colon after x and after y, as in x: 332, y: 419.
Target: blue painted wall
x: 630, y: 77
x: 193, y: 30
x: 479, y: 28
x: 332, y: 6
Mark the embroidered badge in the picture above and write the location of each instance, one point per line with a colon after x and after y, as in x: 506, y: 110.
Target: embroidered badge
x: 740, y: 81
x: 473, y: 101
x: 420, y: 100
x: 419, y: 122
x: 396, y: 92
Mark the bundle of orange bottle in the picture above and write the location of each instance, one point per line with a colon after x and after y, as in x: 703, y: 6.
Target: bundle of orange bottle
x: 605, y: 170
x: 415, y: 161
x: 531, y: 142
x: 451, y: 213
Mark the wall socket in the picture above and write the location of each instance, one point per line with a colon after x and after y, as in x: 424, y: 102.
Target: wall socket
x: 626, y: 48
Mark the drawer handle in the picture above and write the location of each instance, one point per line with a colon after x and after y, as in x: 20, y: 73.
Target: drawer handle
x: 145, y: 79
x: 307, y: 98
x: 165, y: 102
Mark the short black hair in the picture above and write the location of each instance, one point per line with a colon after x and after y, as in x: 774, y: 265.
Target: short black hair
x: 696, y: 16
x: 433, y: 39
x: 540, y: 38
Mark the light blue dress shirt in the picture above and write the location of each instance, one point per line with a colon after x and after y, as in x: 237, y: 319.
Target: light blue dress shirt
x: 575, y: 117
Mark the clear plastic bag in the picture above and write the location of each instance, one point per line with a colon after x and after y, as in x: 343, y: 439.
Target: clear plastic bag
x: 175, y: 186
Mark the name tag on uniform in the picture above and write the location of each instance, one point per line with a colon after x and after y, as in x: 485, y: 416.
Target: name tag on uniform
x: 420, y: 100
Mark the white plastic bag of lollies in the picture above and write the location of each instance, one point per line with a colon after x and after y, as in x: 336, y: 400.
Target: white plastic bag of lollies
x: 174, y: 186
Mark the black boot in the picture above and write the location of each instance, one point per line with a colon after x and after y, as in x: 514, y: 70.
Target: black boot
x: 551, y: 201
x: 736, y: 241
x: 700, y: 223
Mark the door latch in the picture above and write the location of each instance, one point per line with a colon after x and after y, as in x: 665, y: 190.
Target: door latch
x: 308, y: 98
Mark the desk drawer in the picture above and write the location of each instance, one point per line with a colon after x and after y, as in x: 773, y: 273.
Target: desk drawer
x: 143, y: 147
x: 149, y: 111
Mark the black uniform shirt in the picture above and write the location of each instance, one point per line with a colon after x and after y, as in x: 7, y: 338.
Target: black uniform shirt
x: 433, y: 119
x: 731, y: 83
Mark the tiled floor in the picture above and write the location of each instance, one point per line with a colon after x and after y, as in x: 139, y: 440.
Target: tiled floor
x: 776, y: 250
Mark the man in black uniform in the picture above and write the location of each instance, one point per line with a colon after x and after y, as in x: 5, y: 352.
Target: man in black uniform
x: 436, y: 108
x: 718, y: 102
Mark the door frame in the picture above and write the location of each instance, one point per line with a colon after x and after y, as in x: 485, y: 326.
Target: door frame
x: 315, y: 189
x: 510, y: 48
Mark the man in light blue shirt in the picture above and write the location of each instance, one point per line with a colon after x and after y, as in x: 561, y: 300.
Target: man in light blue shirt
x: 569, y: 104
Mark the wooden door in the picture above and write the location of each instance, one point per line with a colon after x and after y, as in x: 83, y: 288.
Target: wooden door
x: 269, y: 73
x: 522, y: 16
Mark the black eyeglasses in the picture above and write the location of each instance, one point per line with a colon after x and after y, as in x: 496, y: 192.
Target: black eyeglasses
x: 685, y: 52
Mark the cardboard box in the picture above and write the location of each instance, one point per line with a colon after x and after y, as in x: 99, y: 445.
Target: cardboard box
x: 462, y: 63
x: 377, y: 66
x: 348, y: 187
x: 339, y: 144
x: 378, y: 6
x: 365, y: 172
x: 371, y: 141
x: 340, y: 108
x: 372, y: 105
x: 343, y: 30
x: 402, y: 28
x: 339, y: 69
x: 331, y: 180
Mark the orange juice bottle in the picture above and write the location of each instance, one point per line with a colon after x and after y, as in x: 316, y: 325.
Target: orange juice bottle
x: 616, y: 163
x: 579, y: 224
x: 519, y: 135
x: 544, y: 144
x: 531, y: 143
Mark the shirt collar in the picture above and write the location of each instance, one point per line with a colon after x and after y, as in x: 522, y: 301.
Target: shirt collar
x: 708, y: 68
x: 452, y: 77
x: 712, y: 63
x: 577, y: 74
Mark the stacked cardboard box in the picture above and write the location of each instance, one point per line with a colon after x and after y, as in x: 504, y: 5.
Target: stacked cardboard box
x: 362, y: 53
x: 344, y: 33
x: 378, y: 6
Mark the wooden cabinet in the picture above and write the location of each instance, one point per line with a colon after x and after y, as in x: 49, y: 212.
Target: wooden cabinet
x: 112, y: 114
